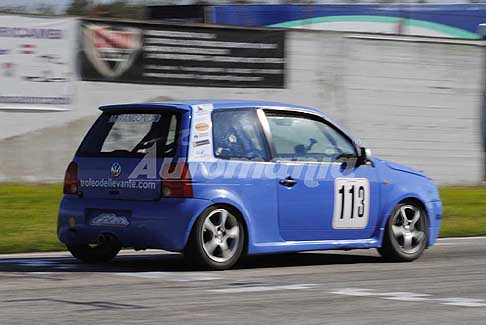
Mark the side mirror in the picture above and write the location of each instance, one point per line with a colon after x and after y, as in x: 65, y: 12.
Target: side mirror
x: 365, y: 155
x: 352, y: 161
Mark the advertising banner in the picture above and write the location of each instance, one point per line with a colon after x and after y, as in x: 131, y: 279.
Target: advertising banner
x: 432, y: 20
x: 181, y: 55
x: 37, y: 69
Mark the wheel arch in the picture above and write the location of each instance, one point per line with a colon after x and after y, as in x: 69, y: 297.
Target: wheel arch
x: 234, y: 210
x: 414, y: 200
x: 237, y: 213
x: 409, y: 198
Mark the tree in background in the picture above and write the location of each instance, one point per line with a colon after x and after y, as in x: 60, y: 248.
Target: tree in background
x: 118, y: 9
x: 78, y: 8
x: 12, y: 9
x: 45, y: 9
x: 108, y: 9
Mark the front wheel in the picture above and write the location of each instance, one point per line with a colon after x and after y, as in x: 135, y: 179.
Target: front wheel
x: 217, y: 240
x: 405, y: 233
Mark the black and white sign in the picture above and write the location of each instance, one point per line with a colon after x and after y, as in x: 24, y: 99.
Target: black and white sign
x: 182, y: 55
x: 351, y: 203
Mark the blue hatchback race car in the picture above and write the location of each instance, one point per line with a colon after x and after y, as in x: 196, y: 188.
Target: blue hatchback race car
x: 220, y: 179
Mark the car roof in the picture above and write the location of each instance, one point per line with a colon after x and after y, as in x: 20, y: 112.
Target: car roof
x: 217, y: 104
x: 220, y: 104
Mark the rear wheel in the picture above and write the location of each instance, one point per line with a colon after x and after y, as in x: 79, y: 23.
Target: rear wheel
x: 217, y: 239
x: 99, y: 253
x: 405, y: 233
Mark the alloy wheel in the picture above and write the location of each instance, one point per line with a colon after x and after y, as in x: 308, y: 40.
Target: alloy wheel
x: 220, y: 235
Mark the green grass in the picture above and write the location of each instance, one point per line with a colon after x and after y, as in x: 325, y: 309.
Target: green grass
x: 28, y: 215
x: 464, y: 211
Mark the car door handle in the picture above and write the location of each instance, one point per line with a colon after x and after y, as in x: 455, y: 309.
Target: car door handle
x: 289, y: 182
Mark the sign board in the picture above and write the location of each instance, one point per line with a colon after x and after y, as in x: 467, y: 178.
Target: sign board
x: 182, y: 55
x: 37, y: 70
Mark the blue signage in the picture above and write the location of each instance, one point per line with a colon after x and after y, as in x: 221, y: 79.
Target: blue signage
x: 457, y: 20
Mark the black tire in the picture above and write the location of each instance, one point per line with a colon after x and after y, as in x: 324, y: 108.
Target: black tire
x: 402, y: 243
x: 196, y: 251
x: 100, y: 253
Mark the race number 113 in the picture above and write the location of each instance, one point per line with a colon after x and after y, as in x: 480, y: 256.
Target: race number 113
x: 351, y: 203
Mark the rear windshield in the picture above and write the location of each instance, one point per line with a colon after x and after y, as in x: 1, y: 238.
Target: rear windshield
x: 132, y: 134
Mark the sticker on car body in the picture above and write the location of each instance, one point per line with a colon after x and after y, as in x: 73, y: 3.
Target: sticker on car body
x: 201, y: 148
x: 109, y: 219
x: 351, y: 203
x: 201, y: 126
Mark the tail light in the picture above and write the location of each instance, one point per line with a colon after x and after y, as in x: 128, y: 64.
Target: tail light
x: 176, y: 181
x: 71, y: 179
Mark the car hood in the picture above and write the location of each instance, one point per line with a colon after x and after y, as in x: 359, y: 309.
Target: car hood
x: 402, y: 168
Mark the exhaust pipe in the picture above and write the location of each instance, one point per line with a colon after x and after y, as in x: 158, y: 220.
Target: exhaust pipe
x: 101, y: 239
x: 104, y: 239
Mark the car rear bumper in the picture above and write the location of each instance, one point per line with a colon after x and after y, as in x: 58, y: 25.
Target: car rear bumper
x: 163, y: 224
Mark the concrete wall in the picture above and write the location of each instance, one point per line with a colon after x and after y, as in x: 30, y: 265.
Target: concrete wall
x: 418, y: 104
x: 411, y: 100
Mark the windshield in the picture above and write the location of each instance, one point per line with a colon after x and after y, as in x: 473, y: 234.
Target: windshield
x: 131, y: 134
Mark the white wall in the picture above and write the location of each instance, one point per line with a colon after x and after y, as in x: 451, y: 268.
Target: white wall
x: 412, y: 100
x: 418, y: 104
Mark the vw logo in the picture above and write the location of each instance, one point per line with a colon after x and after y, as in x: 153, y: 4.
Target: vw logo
x: 116, y: 169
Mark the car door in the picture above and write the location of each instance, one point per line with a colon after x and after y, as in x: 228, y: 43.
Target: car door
x: 321, y: 193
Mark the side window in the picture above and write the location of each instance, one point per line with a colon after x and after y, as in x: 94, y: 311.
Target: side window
x: 238, y: 135
x: 304, y: 139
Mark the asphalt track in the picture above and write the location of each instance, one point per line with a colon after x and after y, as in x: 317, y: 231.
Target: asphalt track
x: 446, y: 286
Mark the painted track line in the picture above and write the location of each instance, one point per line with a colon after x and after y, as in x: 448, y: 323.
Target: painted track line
x: 173, y: 276
x: 450, y: 241
x: 126, y: 252
x: 264, y: 288
x: 462, y: 238
x: 410, y: 297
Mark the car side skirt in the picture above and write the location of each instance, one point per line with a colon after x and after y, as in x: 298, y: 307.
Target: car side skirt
x: 301, y: 246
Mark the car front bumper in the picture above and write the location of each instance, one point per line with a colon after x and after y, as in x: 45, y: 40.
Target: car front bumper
x: 434, y: 210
